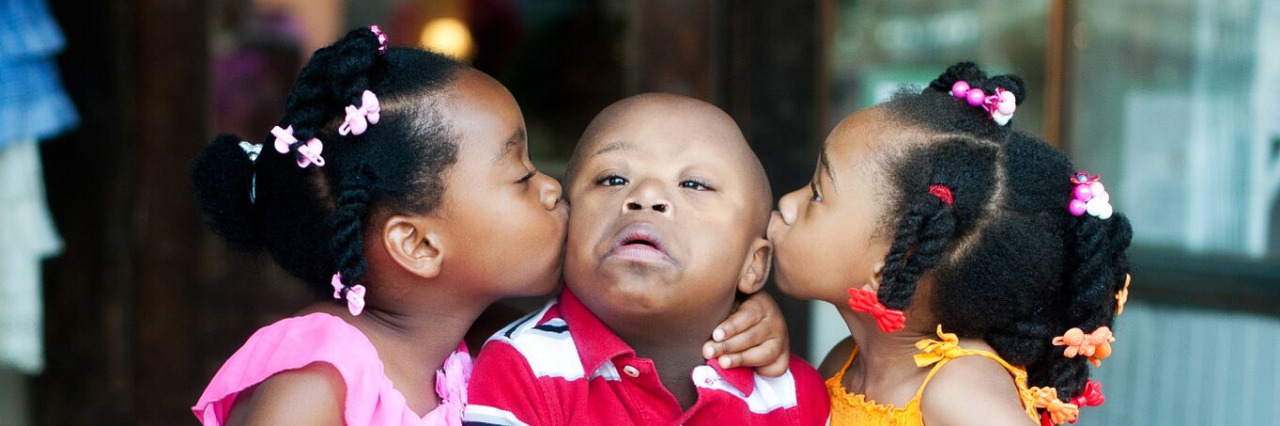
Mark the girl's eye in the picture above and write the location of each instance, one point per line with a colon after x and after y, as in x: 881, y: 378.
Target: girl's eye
x: 815, y: 197
x: 527, y: 177
x: 695, y: 185
x: 612, y: 181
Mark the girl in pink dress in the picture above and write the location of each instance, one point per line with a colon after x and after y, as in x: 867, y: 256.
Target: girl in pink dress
x: 398, y: 185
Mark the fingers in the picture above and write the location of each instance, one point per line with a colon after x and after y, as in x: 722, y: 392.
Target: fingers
x: 746, y: 316
x: 771, y: 359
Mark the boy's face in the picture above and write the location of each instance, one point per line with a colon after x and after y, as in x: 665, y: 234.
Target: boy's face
x: 667, y: 211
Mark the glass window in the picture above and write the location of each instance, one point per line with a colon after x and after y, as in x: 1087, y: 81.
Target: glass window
x: 1177, y: 104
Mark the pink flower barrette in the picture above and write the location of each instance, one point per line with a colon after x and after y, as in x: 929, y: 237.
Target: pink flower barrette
x: 1000, y: 105
x: 382, y: 38
x: 308, y: 153
x: 1089, y: 196
x: 359, y: 118
x: 354, y: 294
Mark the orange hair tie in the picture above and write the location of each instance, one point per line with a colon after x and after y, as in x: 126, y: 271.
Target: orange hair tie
x: 1096, y: 346
x: 1123, y: 296
x: 1056, y: 411
x: 889, y: 320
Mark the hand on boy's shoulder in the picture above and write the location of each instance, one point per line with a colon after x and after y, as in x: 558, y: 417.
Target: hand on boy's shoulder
x: 311, y: 395
x: 973, y: 390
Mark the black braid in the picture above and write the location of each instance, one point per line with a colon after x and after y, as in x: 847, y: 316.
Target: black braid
x: 918, y: 245
x: 349, y: 214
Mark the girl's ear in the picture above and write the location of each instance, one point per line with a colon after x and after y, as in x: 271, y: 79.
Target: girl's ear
x: 877, y: 273
x: 415, y: 243
x: 755, y: 272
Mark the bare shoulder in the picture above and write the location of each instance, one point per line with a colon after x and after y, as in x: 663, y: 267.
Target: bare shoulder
x: 836, y: 358
x: 311, y: 395
x: 973, y: 390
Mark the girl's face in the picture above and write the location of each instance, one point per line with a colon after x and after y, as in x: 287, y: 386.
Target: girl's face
x: 826, y: 234
x: 505, y: 221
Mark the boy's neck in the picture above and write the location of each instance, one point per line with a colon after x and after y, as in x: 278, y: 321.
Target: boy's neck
x: 674, y: 345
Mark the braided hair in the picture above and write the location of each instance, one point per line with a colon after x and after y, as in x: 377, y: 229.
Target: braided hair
x: 313, y: 220
x: 1011, y: 266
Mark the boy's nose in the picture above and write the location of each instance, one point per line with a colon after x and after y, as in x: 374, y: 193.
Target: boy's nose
x: 647, y: 195
x: 657, y: 207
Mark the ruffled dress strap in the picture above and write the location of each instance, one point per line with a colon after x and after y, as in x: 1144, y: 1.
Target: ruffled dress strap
x: 937, y: 353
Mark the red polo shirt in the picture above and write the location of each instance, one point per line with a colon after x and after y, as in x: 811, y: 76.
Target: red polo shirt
x: 563, y: 366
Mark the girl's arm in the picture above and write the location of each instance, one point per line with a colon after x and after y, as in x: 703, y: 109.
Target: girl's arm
x: 755, y: 335
x: 311, y: 395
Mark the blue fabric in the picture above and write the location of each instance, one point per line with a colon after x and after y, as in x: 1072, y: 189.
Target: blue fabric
x: 33, y: 104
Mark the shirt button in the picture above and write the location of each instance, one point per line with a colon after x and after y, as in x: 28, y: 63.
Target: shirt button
x: 631, y: 371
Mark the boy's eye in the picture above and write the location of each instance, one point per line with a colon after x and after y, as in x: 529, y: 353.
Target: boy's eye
x: 612, y: 181
x: 694, y: 185
x: 815, y: 197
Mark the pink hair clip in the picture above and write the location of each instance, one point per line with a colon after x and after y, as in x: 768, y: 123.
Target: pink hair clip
x: 382, y: 38
x: 354, y: 294
x: 1000, y: 105
x: 1089, y: 196
x: 308, y: 152
x: 359, y: 119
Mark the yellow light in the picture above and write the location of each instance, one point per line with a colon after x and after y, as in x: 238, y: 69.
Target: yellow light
x: 448, y: 36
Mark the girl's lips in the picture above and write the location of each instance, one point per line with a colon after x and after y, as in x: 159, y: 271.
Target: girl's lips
x: 639, y: 242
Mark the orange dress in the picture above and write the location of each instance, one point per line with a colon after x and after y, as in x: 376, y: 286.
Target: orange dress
x: 855, y: 409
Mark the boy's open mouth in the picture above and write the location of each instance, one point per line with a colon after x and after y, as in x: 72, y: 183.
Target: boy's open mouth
x: 639, y: 242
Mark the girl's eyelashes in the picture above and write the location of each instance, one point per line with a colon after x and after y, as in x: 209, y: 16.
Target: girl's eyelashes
x: 527, y: 176
x: 813, y: 186
x: 695, y: 185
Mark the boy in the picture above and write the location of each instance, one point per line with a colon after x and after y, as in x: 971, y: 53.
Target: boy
x: 667, y: 221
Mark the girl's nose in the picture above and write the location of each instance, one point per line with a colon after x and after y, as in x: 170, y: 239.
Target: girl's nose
x: 789, y: 205
x: 549, y: 191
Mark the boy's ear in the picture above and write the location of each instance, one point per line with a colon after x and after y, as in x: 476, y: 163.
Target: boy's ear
x: 756, y: 269
x: 415, y: 243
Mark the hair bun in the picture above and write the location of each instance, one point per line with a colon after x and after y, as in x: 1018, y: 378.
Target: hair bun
x: 1010, y: 83
x: 966, y: 71
x: 222, y: 177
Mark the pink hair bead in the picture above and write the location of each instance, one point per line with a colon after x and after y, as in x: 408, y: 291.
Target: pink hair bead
x: 960, y: 89
x: 976, y: 97
x: 1083, y: 192
x: 1077, y: 208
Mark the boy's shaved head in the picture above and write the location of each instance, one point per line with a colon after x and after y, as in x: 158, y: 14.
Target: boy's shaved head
x: 664, y: 109
x: 667, y: 220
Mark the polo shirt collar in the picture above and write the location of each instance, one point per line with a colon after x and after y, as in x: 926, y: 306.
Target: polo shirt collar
x: 597, y: 344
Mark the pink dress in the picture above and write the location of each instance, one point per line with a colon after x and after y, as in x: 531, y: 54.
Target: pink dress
x: 371, y: 399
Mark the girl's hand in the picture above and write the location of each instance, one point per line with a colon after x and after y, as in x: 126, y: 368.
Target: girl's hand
x: 754, y: 336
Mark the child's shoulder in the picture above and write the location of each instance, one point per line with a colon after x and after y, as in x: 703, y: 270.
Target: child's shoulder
x: 969, y: 385
x: 316, y: 343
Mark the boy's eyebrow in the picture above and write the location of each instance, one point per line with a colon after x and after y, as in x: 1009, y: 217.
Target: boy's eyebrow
x: 614, y: 146
x: 516, y: 138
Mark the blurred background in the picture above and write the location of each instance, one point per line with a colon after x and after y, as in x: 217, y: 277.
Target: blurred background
x: 122, y: 314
